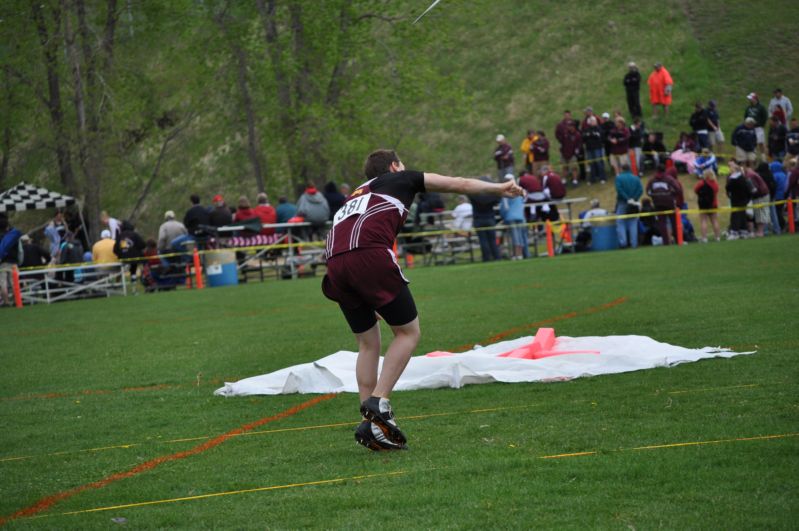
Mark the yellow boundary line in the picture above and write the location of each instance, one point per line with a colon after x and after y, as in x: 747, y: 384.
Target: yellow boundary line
x: 397, y: 473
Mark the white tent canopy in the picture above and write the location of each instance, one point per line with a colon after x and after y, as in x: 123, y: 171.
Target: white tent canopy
x: 29, y: 197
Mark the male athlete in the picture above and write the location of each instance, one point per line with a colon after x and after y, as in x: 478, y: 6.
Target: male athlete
x: 364, y: 278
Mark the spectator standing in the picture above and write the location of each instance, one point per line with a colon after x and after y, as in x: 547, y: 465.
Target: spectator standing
x: 485, y: 221
x: 637, y: 136
x: 628, y: 194
x: 266, y: 213
x: 632, y: 86
x: 744, y: 138
x: 169, y: 230
x: 335, y: 199
x: 699, y: 124
x: 758, y: 113
x: 512, y: 211
x: 285, y: 210
x: 738, y: 192
x: 664, y: 192
x: 219, y: 216
x: 111, y: 223
x: 619, y: 139
x: 570, y: 145
x: 593, y: 141
x: 9, y: 256
x: 660, y: 89
x: 196, y: 216
x: 33, y: 254
x: 792, y: 139
x: 715, y: 134
x: 503, y: 155
x: 760, y: 195
x: 103, y: 249
x: 56, y: 232
x: 780, y: 188
x: 540, y: 147
x: 777, y: 137
x: 707, y: 190
x: 313, y: 206
x: 781, y: 101
x: 527, y: 149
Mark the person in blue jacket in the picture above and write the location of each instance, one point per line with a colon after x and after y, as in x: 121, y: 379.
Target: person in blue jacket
x: 512, y: 212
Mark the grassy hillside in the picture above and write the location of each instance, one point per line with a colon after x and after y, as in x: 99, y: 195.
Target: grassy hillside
x: 522, y: 63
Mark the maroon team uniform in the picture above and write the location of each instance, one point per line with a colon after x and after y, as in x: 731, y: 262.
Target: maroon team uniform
x: 363, y: 275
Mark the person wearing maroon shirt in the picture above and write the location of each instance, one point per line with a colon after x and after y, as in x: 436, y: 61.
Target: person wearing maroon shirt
x: 663, y: 190
x: 619, y: 139
x: 535, y: 193
x: 364, y: 278
x: 707, y: 191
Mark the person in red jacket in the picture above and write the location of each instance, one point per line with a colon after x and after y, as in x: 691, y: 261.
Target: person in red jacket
x: 266, y: 213
x: 707, y: 190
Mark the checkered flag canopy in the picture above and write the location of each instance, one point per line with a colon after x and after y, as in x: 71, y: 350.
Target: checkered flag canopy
x: 28, y: 197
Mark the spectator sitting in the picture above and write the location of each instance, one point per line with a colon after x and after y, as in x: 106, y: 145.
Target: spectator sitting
x: 335, y: 199
x: 512, y: 212
x: 705, y: 161
x: 244, y: 212
x: 584, y: 237
x: 196, y: 216
x: 285, y: 211
x: 654, y: 150
x: 535, y: 192
x: 169, y: 230
x: 266, y: 213
x: 462, y: 214
x: 553, y: 188
x: 647, y: 225
x: 219, y: 216
x: 103, y: 249
x: 684, y: 152
x: 792, y: 139
x: 313, y: 207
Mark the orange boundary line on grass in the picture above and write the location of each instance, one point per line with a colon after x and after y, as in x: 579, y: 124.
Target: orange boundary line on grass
x: 674, y: 445
x: 516, y: 329
x: 48, y: 501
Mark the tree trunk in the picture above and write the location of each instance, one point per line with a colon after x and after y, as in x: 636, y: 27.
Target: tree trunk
x: 9, y: 101
x: 50, y: 51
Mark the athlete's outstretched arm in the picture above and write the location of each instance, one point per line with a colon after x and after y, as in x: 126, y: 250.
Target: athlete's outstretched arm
x: 434, y: 182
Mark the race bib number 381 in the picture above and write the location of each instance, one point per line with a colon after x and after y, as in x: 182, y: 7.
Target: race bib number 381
x: 352, y: 207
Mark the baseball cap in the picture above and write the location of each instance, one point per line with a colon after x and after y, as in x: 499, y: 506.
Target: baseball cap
x: 218, y: 198
x: 632, y: 65
x: 749, y: 120
x: 25, y: 238
x: 500, y: 138
x: 751, y: 96
x: 169, y: 214
x: 605, y: 115
x: 105, y: 234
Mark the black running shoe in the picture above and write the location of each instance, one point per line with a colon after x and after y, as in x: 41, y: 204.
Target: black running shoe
x: 378, y: 410
x: 370, y: 436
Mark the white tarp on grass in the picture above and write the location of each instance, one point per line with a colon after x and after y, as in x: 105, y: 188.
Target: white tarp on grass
x: 336, y: 372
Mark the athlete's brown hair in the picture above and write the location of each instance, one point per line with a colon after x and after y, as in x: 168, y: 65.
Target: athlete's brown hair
x: 379, y: 162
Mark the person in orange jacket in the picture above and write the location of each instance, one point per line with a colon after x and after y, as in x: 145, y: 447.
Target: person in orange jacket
x: 660, y: 85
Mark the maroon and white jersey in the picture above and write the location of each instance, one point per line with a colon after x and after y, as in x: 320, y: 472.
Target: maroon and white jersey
x: 374, y: 213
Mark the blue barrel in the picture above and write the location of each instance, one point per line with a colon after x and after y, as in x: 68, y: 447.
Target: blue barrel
x: 221, y: 269
x: 604, y: 237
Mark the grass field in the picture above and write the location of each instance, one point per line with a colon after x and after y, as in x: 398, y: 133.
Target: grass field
x: 107, y: 409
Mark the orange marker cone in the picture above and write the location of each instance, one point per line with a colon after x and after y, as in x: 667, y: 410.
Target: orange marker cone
x: 550, y: 243
x: 678, y: 225
x: 791, y: 219
x: 17, y: 291
x: 198, y: 270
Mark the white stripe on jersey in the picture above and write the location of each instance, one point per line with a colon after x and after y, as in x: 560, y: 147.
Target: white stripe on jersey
x: 356, y: 229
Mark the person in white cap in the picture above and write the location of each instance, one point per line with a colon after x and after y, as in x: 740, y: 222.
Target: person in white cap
x: 781, y: 101
x: 632, y: 85
x: 103, y: 250
x: 757, y: 111
x: 503, y: 154
x: 169, y: 230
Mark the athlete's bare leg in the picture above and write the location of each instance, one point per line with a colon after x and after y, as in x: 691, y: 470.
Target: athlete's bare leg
x: 406, y: 337
x: 368, y: 360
